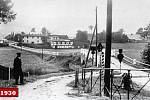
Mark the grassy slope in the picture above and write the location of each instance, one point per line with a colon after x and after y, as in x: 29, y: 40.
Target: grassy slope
x: 30, y: 61
x: 34, y: 64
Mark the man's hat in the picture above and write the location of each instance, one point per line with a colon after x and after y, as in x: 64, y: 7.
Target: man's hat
x: 18, y: 53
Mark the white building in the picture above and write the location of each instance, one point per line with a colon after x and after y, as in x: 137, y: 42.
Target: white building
x: 56, y: 41
x: 60, y: 41
x: 33, y: 38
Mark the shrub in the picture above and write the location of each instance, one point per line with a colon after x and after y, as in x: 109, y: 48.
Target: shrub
x: 146, y: 54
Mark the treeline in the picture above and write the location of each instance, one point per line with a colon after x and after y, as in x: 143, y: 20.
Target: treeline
x: 117, y: 37
x: 15, y: 37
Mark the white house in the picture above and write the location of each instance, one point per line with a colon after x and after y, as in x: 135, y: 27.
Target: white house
x: 60, y: 41
x: 33, y: 38
x: 56, y: 41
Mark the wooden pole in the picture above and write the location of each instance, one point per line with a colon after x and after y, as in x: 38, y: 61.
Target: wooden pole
x: 96, y: 40
x: 108, y: 48
x: 42, y: 53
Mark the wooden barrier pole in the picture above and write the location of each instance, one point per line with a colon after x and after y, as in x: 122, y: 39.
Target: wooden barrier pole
x: 128, y: 91
x: 100, y: 82
x: 76, y: 78
x: 91, y: 79
x: 111, y: 83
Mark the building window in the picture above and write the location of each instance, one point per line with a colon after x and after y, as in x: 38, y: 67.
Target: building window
x: 27, y: 37
x: 27, y: 41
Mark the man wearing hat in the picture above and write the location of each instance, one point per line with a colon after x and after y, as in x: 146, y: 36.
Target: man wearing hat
x: 17, y: 69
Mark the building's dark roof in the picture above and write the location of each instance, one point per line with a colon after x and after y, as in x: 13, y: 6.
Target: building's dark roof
x: 63, y: 40
x: 61, y: 36
x: 34, y: 35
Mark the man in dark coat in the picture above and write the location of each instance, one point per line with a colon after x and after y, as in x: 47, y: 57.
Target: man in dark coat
x: 17, y: 69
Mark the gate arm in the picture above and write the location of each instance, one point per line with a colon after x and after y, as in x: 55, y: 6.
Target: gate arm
x: 141, y: 89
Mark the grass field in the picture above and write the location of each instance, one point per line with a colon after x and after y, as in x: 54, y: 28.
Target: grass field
x: 30, y: 61
x: 132, y: 50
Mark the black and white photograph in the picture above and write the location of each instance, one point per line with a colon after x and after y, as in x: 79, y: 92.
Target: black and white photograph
x: 74, y: 49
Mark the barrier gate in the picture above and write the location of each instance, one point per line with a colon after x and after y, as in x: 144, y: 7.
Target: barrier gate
x: 124, y: 89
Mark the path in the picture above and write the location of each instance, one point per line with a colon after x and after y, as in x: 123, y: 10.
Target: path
x: 53, y: 88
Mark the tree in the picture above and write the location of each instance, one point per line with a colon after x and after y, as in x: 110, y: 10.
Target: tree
x: 18, y: 38
x: 146, y: 54
x: 6, y: 13
x: 140, y: 30
x: 33, y: 30
x: 22, y: 33
x: 144, y: 32
x: 102, y: 36
x: 82, y: 36
x: 10, y: 36
x: 147, y: 29
x: 44, y: 31
x: 44, y: 39
x: 90, y: 27
x: 119, y: 36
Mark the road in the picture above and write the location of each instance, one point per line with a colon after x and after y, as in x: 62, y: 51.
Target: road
x: 49, y: 51
x: 53, y: 88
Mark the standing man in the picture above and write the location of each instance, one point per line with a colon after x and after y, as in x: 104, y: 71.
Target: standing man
x: 17, y: 69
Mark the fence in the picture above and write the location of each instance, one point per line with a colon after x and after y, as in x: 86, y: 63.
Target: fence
x: 4, y: 73
x: 120, y: 89
x: 7, y: 74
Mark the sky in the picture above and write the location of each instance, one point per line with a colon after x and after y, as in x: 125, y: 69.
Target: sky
x: 68, y: 16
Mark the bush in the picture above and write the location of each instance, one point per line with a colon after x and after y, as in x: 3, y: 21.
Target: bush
x: 146, y: 54
x: 36, y: 71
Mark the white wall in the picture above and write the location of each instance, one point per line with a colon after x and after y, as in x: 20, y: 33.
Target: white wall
x: 36, y: 40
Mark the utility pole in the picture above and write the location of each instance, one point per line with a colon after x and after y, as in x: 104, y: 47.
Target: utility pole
x: 96, y: 40
x: 42, y: 53
x: 108, y: 48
